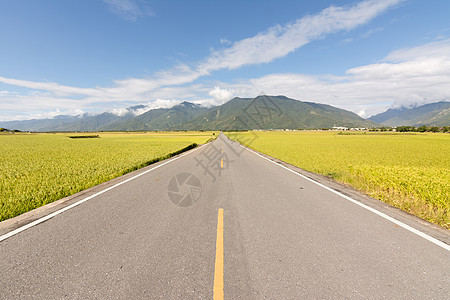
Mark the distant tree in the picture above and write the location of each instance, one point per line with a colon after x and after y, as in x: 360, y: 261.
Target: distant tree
x: 434, y: 129
x: 422, y: 128
x: 404, y: 128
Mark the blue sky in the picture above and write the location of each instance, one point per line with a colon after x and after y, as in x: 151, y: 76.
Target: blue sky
x: 89, y: 56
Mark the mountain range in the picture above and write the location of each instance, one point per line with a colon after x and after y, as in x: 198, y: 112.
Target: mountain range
x: 432, y: 114
x: 262, y: 112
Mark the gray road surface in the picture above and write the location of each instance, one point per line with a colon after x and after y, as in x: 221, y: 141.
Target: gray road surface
x: 284, y: 238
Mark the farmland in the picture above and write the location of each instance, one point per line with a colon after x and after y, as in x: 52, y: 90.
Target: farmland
x: 37, y: 169
x: 408, y: 171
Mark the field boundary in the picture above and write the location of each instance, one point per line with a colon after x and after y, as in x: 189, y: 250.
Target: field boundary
x: 15, y: 225
x: 432, y: 232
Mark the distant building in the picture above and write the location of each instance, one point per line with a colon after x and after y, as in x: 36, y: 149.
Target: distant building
x: 340, y: 128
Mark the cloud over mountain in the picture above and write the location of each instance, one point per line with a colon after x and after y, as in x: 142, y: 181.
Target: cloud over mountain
x: 360, y: 85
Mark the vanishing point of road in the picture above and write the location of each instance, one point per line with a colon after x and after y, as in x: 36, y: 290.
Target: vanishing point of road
x: 221, y: 221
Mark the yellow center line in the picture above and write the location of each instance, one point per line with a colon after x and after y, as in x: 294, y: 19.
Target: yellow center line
x: 218, y: 273
x: 221, y: 163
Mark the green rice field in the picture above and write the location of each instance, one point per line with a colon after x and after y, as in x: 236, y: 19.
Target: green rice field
x: 37, y: 169
x: 408, y: 171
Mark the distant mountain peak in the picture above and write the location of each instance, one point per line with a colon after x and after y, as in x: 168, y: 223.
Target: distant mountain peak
x: 188, y: 104
x: 136, y: 107
x: 400, y: 108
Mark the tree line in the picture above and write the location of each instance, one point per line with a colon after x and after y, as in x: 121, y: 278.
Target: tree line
x: 422, y: 128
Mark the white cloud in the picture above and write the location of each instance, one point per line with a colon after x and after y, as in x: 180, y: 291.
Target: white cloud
x: 264, y: 47
x: 279, y: 41
x: 42, y: 115
x: 6, y: 93
x: 129, y: 9
x: 221, y: 95
x: 438, y: 49
x: 55, y: 88
x: 122, y: 111
x: 158, y: 103
x: 406, y: 77
x: 362, y: 113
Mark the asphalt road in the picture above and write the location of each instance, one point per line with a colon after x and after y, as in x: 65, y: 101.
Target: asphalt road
x: 157, y: 236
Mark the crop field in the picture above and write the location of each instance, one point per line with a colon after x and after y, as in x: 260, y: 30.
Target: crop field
x: 37, y: 169
x: 408, y: 171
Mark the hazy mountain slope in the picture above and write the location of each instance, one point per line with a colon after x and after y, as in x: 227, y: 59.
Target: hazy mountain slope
x: 88, y: 123
x: 389, y: 114
x: 160, y: 119
x: 84, y: 122
x: 40, y: 124
x: 434, y: 114
x: 155, y: 119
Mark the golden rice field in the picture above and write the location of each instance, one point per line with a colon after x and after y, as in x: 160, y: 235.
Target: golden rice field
x: 37, y: 169
x: 408, y: 171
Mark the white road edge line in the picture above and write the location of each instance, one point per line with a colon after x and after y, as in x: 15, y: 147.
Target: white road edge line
x: 407, y: 227
x: 47, y: 217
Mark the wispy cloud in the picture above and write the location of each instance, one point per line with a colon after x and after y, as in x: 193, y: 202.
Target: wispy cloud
x: 144, y: 107
x: 371, y: 31
x: 279, y: 41
x: 129, y: 9
x: 408, y: 76
x: 265, y: 47
x: 55, y: 88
